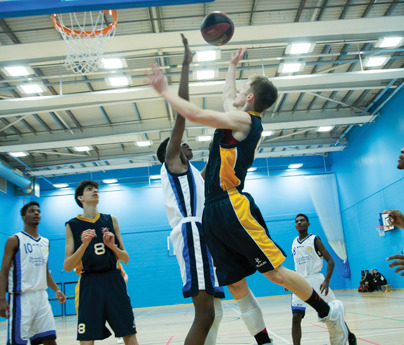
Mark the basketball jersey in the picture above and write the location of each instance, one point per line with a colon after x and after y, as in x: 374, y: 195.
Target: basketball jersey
x: 28, y: 268
x: 183, y: 194
x: 97, y: 257
x: 228, y: 163
x: 308, y: 259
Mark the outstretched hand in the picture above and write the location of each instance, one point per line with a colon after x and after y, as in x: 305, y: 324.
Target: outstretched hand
x: 396, y: 218
x: 156, y: 78
x: 236, y: 57
x: 188, y: 54
x: 399, y: 263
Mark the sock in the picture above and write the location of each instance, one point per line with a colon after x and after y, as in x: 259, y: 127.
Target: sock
x: 318, y: 304
x: 212, y: 335
x: 262, y: 337
x: 251, y: 314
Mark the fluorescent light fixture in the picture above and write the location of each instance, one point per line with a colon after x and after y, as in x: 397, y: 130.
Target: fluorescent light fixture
x: 114, y: 63
x: 60, y: 185
x: 300, y: 48
x: 119, y: 81
x: 31, y: 88
x: 295, y: 166
x: 144, y: 143
x: 17, y: 71
x: 291, y: 67
x: 252, y: 169
x: 267, y: 133
x: 205, y: 74
x: 376, y: 61
x: 387, y: 42
x: 204, y: 138
x: 18, y: 154
x: 82, y: 148
x: 110, y: 180
x: 155, y: 177
x: 207, y: 55
x: 325, y: 128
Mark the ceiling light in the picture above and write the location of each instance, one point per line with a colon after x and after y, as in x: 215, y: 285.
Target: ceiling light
x: 386, y: 42
x: 110, y: 180
x: 295, y: 166
x: 17, y: 71
x: 376, y: 61
x: 325, y: 128
x: 82, y: 148
x: 299, y: 48
x: 60, y: 185
x: 267, y: 133
x: 155, y: 177
x: 205, y: 74
x: 118, y: 81
x: 207, y: 55
x: 31, y: 88
x: 252, y: 169
x: 144, y: 143
x: 291, y: 67
x: 114, y: 63
x: 204, y: 138
x: 18, y: 154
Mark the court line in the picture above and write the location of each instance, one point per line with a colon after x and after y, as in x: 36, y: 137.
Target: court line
x: 370, y: 342
x: 275, y: 335
x: 169, y: 341
x: 379, y: 317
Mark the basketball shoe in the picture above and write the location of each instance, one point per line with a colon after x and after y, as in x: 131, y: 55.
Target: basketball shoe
x: 336, y: 324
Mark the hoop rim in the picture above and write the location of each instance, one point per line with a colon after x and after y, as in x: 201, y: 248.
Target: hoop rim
x: 70, y: 32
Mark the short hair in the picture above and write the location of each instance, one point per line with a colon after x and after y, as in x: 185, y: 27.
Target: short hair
x: 265, y: 92
x: 24, y: 209
x: 161, y: 151
x: 80, y: 189
x: 303, y: 215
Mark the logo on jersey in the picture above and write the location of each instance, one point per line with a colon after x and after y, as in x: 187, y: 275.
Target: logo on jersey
x: 259, y: 263
x: 308, y: 249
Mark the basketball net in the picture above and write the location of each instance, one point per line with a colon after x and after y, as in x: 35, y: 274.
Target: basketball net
x: 85, y: 34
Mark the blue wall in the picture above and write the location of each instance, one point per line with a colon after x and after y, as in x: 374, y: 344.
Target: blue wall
x: 369, y: 183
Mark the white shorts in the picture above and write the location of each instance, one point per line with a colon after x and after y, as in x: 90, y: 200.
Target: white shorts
x: 31, y: 318
x: 315, y: 280
x: 194, y: 259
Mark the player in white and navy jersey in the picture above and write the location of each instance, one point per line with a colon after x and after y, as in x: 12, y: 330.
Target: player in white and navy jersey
x: 183, y: 188
x: 308, y: 253
x: 25, y: 275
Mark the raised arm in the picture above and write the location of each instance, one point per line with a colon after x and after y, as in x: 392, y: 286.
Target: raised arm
x: 330, y: 265
x: 230, y: 89
x: 9, y: 252
x: 172, y: 157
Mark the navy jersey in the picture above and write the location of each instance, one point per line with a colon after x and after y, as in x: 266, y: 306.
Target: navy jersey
x: 97, y: 257
x: 228, y: 163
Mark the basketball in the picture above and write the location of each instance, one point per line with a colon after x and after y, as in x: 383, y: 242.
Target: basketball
x: 217, y: 28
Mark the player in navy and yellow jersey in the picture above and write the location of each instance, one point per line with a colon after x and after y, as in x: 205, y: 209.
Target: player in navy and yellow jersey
x: 235, y: 229
x: 25, y: 275
x: 93, y: 247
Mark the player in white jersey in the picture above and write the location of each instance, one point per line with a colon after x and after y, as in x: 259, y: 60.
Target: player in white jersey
x: 308, y: 253
x: 25, y: 268
x: 183, y: 188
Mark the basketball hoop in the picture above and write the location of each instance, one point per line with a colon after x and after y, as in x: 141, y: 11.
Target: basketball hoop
x: 85, y: 34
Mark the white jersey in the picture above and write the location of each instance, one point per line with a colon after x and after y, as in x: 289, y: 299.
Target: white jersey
x: 28, y: 268
x: 308, y: 260
x: 183, y: 194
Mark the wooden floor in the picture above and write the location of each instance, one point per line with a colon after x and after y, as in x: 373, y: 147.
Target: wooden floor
x: 376, y: 318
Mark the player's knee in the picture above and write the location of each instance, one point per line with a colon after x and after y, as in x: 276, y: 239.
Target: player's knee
x: 276, y: 277
x: 297, y: 319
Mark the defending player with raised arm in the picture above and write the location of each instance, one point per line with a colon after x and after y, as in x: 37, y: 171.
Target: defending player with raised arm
x: 183, y: 188
x: 93, y: 246
x: 25, y: 275
x: 236, y: 232
x: 308, y: 253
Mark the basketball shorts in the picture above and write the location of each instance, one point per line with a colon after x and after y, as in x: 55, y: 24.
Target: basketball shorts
x: 194, y: 259
x: 238, y: 238
x: 30, y: 318
x: 315, y: 280
x: 101, y: 298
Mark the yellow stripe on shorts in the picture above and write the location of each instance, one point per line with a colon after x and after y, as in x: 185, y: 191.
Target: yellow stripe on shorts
x: 76, y: 296
x: 241, y: 206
